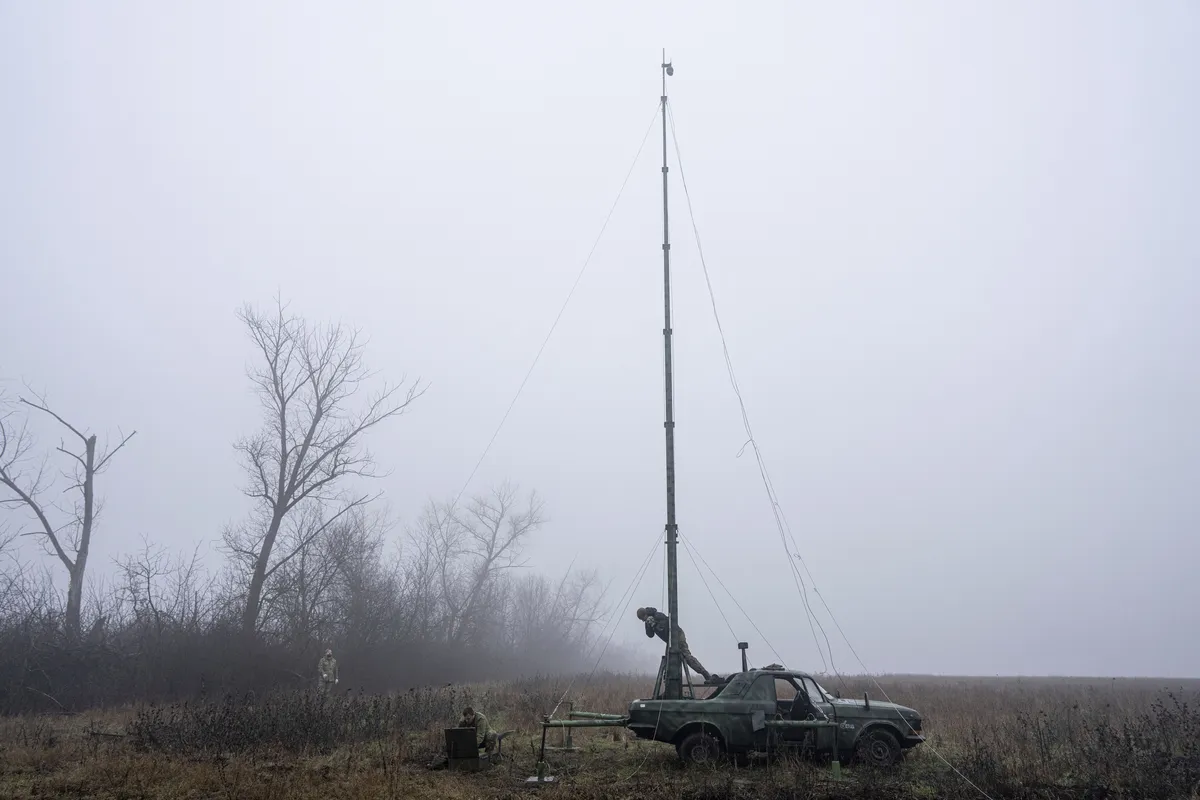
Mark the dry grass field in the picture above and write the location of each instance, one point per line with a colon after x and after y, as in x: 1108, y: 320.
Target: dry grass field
x: 1043, y: 738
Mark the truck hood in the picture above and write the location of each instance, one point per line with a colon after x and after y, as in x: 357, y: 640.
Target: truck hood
x: 879, y: 709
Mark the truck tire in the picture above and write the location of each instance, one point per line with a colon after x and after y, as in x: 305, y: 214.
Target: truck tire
x: 877, y: 748
x: 700, y: 748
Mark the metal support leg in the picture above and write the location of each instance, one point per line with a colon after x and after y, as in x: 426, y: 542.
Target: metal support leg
x: 567, y: 743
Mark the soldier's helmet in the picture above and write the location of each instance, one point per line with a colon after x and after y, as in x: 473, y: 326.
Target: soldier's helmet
x: 642, y: 613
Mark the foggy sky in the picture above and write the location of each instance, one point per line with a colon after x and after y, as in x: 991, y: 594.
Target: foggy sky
x: 955, y: 248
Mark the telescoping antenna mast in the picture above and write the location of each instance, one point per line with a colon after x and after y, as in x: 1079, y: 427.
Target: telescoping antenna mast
x: 673, y: 679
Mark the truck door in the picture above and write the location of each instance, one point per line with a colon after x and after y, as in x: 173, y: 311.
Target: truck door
x: 793, y: 704
x: 759, y: 701
x: 822, y: 709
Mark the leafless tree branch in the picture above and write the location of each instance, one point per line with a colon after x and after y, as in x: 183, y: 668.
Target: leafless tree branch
x: 25, y: 488
x: 42, y: 406
x: 306, y: 377
x: 114, y: 451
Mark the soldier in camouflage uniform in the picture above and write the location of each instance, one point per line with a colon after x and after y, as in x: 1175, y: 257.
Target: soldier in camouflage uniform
x: 485, y: 736
x: 659, y: 624
x: 327, y: 672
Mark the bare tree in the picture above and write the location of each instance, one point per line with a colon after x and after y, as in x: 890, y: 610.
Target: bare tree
x: 367, y: 593
x: 419, y: 595
x: 311, y: 440
x: 541, y: 614
x: 162, y: 591
x: 296, y: 593
x: 27, y: 481
x: 472, y: 547
x: 12, y: 571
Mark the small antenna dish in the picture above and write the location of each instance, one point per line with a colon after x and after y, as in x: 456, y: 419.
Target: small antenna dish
x: 669, y: 68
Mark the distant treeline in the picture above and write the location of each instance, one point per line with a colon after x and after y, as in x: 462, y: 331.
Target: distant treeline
x: 445, y: 610
x: 309, y: 569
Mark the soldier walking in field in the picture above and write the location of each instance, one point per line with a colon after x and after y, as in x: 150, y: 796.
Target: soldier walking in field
x: 659, y: 624
x: 327, y: 672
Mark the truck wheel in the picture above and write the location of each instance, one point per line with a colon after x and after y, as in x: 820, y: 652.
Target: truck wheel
x: 700, y: 748
x: 878, y: 748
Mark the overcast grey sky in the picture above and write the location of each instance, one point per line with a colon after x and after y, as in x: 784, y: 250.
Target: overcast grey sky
x: 955, y: 248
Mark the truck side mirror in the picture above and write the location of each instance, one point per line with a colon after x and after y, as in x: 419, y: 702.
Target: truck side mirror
x: 837, y: 693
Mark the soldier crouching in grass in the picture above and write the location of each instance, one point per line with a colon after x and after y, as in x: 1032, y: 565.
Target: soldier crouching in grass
x: 485, y: 737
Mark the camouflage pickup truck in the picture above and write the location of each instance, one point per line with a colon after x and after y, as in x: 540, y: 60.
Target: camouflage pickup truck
x: 778, y: 710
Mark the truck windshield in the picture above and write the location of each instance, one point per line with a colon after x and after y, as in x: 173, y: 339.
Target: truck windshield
x: 816, y: 692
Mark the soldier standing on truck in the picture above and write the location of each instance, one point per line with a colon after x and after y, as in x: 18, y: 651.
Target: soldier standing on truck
x: 659, y: 624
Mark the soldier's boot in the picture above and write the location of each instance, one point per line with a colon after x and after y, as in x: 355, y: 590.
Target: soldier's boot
x: 695, y: 664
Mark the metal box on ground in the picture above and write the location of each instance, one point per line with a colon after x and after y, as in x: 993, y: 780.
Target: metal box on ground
x: 461, y: 750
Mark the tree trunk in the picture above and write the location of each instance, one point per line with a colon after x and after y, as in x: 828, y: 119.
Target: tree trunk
x: 75, y: 598
x: 259, y: 578
x: 78, y: 569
